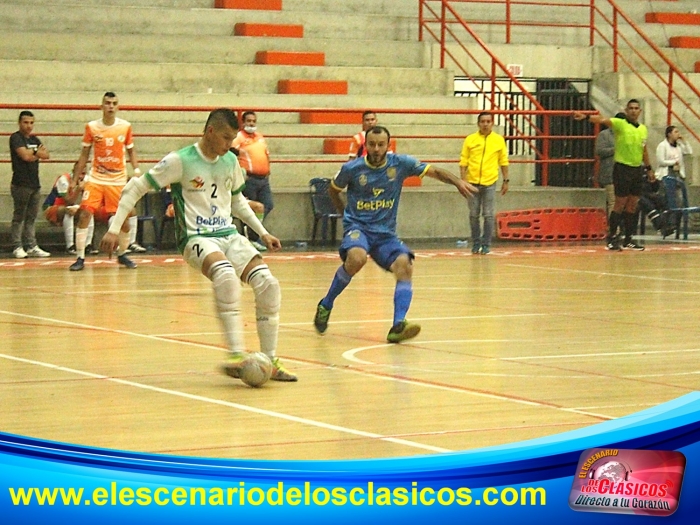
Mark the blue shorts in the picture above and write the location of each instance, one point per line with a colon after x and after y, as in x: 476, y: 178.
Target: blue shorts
x: 384, y: 248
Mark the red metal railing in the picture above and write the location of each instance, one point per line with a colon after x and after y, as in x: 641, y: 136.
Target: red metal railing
x: 612, y: 19
x: 605, y: 21
x: 453, y: 158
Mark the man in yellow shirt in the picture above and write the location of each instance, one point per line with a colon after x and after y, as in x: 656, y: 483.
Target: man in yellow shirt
x: 482, y: 154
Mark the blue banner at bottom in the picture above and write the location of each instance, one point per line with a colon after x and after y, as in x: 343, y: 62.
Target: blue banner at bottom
x: 526, y: 482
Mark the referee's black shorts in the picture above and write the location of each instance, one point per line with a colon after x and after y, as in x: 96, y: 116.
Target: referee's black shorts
x: 627, y: 180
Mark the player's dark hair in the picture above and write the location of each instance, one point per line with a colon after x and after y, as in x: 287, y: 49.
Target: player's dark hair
x: 246, y: 113
x: 669, y: 130
x: 483, y: 114
x: 222, y: 117
x: 368, y: 112
x: 377, y: 130
x: 109, y: 94
x: 633, y: 101
x: 25, y: 113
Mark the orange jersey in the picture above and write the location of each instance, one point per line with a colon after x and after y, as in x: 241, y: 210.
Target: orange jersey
x: 357, y: 145
x: 253, y: 155
x: 109, y: 157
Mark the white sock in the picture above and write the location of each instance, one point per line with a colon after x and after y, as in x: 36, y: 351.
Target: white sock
x: 227, y: 293
x: 68, y: 229
x: 123, y: 242
x: 267, y: 307
x: 133, y: 229
x: 80, y: 238
x: 90, y: 231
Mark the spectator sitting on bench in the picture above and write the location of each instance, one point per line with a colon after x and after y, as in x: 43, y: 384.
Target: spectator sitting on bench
x: 652, y: 204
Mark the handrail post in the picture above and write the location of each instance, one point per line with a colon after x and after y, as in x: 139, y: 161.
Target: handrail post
x: 507, y: 21
x: 420, y: 20
x: 493, y: 84
x: 545, y: 152
x: 443, y: 15
x: 614, y: 39
x: 592, y: 25
x: 669, y: 104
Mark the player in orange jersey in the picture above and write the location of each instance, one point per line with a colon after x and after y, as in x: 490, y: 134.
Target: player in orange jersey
x: 254, y: 157
x: 357, y: 145
x: 112, y: 140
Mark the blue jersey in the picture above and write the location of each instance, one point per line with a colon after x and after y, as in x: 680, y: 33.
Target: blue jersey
x: 373, y: 193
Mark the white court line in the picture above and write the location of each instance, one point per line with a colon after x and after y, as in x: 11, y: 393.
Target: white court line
x: 369, y: 321
x: 601, y: 354
x: 602, y: 274
x: 245, y: 408
x: 112, y: 330
x: 350, y: 356
x: 199, y: 345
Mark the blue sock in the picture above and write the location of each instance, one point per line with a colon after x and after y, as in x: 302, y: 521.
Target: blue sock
x: 340, y: 282
x: 402, y: 300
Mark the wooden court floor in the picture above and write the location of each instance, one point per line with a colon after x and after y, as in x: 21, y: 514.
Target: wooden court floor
x: 522, y: 343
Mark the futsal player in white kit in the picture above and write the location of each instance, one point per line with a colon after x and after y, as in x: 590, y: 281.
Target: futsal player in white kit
x: 206, y: 187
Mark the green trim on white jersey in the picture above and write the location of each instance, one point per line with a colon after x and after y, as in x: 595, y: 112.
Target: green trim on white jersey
x: 201, y: 190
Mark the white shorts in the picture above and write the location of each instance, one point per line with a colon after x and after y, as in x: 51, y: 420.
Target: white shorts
x: 236, y: 248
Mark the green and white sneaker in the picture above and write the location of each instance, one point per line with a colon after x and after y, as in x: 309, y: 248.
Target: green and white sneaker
x: 321, y: 319
x: 280, y: 373
x: 232, y: 366
x: 402, y: 331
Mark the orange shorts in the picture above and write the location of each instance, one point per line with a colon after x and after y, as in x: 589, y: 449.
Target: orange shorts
x: 95, y: 196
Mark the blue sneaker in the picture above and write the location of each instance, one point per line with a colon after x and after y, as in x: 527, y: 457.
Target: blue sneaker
x: 485, y: 250
x: 476, y: 248
x: 126, y: 262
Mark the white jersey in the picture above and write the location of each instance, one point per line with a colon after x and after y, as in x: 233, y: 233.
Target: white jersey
x: 201, y: 191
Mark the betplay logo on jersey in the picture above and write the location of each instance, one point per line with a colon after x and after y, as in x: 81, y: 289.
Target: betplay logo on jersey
x: 619, y: 481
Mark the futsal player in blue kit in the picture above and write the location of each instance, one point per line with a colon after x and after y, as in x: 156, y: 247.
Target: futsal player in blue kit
x: 373, y: 186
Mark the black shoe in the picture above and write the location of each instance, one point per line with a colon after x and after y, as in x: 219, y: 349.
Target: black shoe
x: 402, y: 331
x: 135, y: 247
x: 631, y: 245
x: 126, y: 262
x: 613, y: 245
x: 78, y: 265
x: 91, y: 250
x: 321, y: 318
x: 71, y: 250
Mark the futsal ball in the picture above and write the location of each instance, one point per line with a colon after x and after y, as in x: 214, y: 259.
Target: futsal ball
x: 256, y: 370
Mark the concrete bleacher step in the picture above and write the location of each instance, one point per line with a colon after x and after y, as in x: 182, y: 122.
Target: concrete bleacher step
x: 629, y: 85
x: 51, y: 18
x: 290, y: 58
x: 264, y: 5
x: 204, y: 49
x: 685, y: 42
x: 683, y: 58
x: 173, y: 77
x: 312, y: 87
x: 269, y: 30
x: 673, y: 18
x: 406, y: 7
